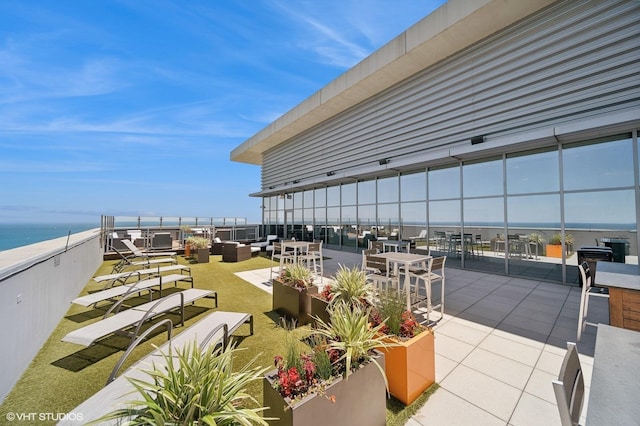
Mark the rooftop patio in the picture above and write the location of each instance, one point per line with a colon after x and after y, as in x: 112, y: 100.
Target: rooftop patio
x: 498, y: 347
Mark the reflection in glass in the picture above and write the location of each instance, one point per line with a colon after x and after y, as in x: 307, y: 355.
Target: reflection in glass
x: 349, y: 194
x: 367, y: 192
x: 534, y: 211
x: 297, y: 200
x: 444, y: 183
x: 320, y: 197
x: 413, y: 187
x: 332, y: 230
x: 366, y: 223
x: 444, y: 213
x: 482, y: 179
x: 537, y: 172
x: 349, y: 230
x: 388, y: 221
x: 604, y: 165
x: 319, y: 232
x: 308, y: 198
x: 333, y: 196
x: 414, y: 220
x: 388, y: 190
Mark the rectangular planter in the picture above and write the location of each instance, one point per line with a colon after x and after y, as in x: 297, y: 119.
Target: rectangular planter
x: 319, y: 309
x: 292, y: 302
x: 359, y: 400
x: 202, y: 255
x: 554, y: 250
x: 410, y: 367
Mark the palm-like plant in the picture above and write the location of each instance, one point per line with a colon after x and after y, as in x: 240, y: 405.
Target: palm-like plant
x: 350, y: 335
x: 351, y: 286
x: 297, y: 275
x: 199, y: 387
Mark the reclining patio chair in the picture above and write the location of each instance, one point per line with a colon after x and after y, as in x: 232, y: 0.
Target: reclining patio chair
x: 145, y: 253
x: 129, y: 261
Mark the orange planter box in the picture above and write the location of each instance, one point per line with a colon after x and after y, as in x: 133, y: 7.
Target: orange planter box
x: 411, y: 367
x: 554, y: 250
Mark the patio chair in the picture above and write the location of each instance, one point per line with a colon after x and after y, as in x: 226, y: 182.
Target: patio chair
x: 122, y: 277
x: 143, y: 254
x: 282, y: 256
x: 135, y: 317
x: 313, y: 259
x: 379, y: 271
x: 129, y: 261
x: 127, y: 290
x: 569, y: 387
x: 432, y: 273
x: 586, y: 293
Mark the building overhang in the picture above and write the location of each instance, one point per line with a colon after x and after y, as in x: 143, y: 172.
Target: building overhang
x: 454, y: 26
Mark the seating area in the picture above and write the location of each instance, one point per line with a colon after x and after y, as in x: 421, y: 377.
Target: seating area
x: 502, y: 334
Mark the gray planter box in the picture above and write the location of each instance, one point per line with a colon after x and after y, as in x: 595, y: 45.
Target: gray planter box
x: 319, y: 309
x: 292, y: 302
x: 202, y: 255
x: 359, y: 400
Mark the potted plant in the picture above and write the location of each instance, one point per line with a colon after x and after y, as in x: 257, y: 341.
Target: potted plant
x: 194, y: 386
x: 340, y: 381
x: 555, y: 247
x: 410, y: 362
x: 200, y: 246
x: 349, y: 286
x: 186, y: 233
x: 291, y: 293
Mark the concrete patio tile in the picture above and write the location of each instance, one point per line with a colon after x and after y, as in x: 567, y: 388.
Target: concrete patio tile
x: 501, y: 368
x: 463, y: 332
x: 480, y: 320
x: 451, y: 348
x: 528, y: 323
x: 445, y: 408
x: 525, y: 334
x: 444, y: 366
x: 540, y: 385
x: 472, y: 324
x: 533, y: 411
x: 550, y: 362
x: 494, y: 396
x: 512, y: 348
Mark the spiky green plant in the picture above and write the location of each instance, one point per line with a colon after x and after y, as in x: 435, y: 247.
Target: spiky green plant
x: 391, y: 306
x: 200, y: 387
x: 350, y: 335
x: 351, y: 286
x: 297, y: 275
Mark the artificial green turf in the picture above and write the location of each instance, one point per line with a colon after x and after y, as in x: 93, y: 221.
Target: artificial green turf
x: 62, y: 375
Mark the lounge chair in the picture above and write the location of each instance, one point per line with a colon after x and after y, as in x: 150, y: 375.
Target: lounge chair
x: 146, y: 253
x: 129, y: 261
x: 135, y: 317
x: 208, y: 331
x: 123, y: 277
x: 127, y: 290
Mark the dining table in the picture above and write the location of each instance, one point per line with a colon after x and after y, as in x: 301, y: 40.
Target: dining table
x: 407, y: 260
x: 623, y: 282
x: 615, y: 380
x: 297, y: 247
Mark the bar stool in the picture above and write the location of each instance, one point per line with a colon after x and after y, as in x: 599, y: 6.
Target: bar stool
x: 433, y: 272
x: 587, y: 291
x: 283, y: 257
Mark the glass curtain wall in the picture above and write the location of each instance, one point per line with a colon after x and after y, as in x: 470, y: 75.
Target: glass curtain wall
x: 529, y: 213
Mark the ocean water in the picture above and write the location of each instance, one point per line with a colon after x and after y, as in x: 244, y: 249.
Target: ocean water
x: 14, y: 235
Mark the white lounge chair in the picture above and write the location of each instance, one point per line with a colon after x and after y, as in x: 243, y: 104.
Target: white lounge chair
x: 127, y: 290
x: 123, y: 277
x: 145, y: 253
x: 208, y: 331
x: 129, y: 261
x: 135, y: 316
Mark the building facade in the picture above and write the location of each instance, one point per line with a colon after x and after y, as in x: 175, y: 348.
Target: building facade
x: 493, y: 132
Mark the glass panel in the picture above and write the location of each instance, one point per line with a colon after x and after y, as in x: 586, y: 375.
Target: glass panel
x: 483, y: 221
x: 333, y: 196
x: 333, y: 229
x: 320, y: 197
x: 308, y: 198
x: 298, y: 225
x: 349, y: 194
x: 297, y: 200
x: 414, y: 223
x: 532, y: 223
x: 349, y: 228
x: 482, y: 179
x: 602, y: 165
x: 388, y: 221
x: 413, y: 187
x: 366, y: 223
x: 444, y: 183
x: 603, y: 218
x: 388, y: 190
x: 444, y: 222
x: 308, y: 224
x: 288, y: 201
x: 320, y: 224
x: 367, y: 192
x: 537, y: 172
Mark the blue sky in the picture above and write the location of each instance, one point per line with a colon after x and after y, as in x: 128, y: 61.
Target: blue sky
x: 131, y: 108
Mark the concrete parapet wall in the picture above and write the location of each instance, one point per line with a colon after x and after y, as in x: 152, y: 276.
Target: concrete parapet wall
x: 37, y: 284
